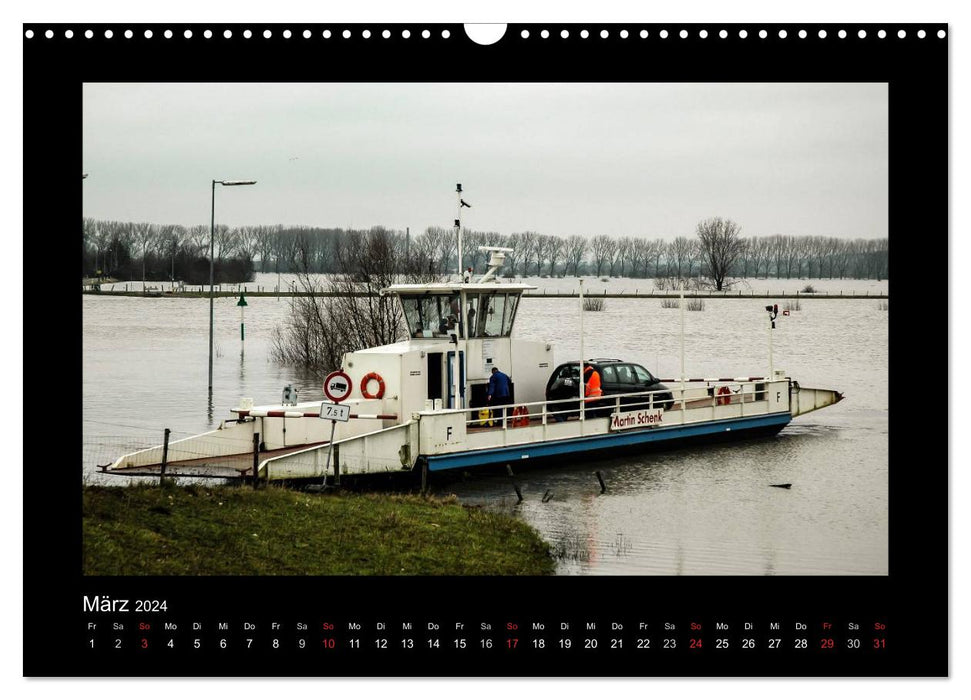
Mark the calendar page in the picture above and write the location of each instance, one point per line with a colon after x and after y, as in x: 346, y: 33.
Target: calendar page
x: 487, y: 350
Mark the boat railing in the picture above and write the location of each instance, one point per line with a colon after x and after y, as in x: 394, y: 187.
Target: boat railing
x: 701, y: 394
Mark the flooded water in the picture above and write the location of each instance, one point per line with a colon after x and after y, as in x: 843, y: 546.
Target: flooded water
x: 693, y: 511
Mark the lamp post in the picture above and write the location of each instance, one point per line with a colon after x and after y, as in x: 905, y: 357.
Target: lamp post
x: 212, y: 251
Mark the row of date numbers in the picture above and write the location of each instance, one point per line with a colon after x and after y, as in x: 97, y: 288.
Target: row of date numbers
x: 511, y: 643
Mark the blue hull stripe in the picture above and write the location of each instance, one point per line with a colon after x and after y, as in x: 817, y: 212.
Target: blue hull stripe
x: 533, y: 450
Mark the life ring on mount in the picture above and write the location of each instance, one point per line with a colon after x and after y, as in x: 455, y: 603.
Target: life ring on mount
x: 520, y: 417
x: 724, y: 396
x: 367, y: 380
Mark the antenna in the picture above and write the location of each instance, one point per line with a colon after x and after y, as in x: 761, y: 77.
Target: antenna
x: 458, y: 223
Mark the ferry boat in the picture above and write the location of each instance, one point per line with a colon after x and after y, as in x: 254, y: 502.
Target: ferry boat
x: 420, y: 404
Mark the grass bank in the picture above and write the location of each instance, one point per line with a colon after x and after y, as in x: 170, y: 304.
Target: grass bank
x: 227, y: 530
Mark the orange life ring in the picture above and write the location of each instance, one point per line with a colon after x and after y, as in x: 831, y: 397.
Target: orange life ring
x: 364, y: 384
x: 724, y: 396
x: 520, y: 417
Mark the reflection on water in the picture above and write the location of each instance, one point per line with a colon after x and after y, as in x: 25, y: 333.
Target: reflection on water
x: 702, y: 510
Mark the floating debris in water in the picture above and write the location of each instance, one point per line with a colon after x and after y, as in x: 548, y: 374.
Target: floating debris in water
x: 781, y: 486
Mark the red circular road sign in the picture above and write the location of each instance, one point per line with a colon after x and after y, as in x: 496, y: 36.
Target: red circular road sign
x: 337, y: 386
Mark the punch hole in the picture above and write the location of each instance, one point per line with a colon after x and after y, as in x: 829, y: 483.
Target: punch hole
x: 723, y: 34
x: 742, y: 34
x: 604, y: 33
x: 484, y: 34
x: 545, y: 34
x: 664, y: 34
x: 187, y: 33
x: 703, y: 33
x: 49, y: 34
x: 861, y: 33
x: 267, y: 34
x: 644, y: 33
x: 326, y: 34
x: 287, y: 34
x: 425, y: 34
x: 921, y: 34
x: 842, y: 34
x: 524, y: 34
x: 207, y: 34
x: 29, y: 34
x: 783, y: 33
x: 406, y: 34
x: 564, y: 34
x: 624, y: 34
x: 68, y: 34
x: 822, y: 34
x: 684, y: 34
x: 346, y: 34
x: 88, y: 34
x: 168, y: 34
x: 227, y: 34
x: 584, y: 34
x: 129, y: 34
x: 901, y: 34
x: 763, y: 34
x: 882, y: 34
x: 386, y: 34
x: 247, y: 34
x: 109, y: 34
x: 446, y: 34
x: 366, y: 33
x: 803, y: 34
x: 941, y: 34
x: 306, y: 34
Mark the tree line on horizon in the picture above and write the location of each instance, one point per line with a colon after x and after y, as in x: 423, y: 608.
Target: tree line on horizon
x: 173, y: 252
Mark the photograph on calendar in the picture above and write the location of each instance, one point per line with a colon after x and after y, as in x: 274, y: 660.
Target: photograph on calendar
x: 503, y: 329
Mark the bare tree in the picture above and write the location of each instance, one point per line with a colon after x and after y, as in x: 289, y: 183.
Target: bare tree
x: 601, y: 247
x: 720, y: 246
x: 639, y: 255
x: 657, y: 250
x: 614, y: 256
x: 527, y: 249
x: 625, y: 248
x: 576, y: 246
x: 680, y: 253
x: 557, y: 250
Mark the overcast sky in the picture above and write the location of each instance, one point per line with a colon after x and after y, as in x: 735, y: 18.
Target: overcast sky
x: 623, y: 159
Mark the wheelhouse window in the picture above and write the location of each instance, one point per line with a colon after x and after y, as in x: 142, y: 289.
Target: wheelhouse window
x: 496, y: 314
x: 432, y: 315
x: 488, y: 315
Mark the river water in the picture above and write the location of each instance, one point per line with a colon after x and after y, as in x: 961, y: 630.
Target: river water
x: 693, y: 511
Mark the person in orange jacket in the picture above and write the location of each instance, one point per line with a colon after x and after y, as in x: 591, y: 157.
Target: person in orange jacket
x: 591, y: 383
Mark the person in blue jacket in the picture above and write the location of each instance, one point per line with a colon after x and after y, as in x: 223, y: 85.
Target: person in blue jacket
x: 499, y: 391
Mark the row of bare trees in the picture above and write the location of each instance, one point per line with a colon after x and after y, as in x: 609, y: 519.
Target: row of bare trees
x: 777, y: 256
x: 125, y: 249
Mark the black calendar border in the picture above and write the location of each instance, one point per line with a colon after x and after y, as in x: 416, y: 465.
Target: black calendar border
x: 912, y: 600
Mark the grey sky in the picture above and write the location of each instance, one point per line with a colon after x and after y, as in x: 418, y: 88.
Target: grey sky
x: 623, y: 159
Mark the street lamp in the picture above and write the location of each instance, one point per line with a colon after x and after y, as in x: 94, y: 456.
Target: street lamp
x: 212, y: 252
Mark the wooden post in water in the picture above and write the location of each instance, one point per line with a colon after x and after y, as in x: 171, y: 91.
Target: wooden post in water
x: 603, y: 486
x: 256, y: 459
x: 519, y: 494
x: 165, y: 454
